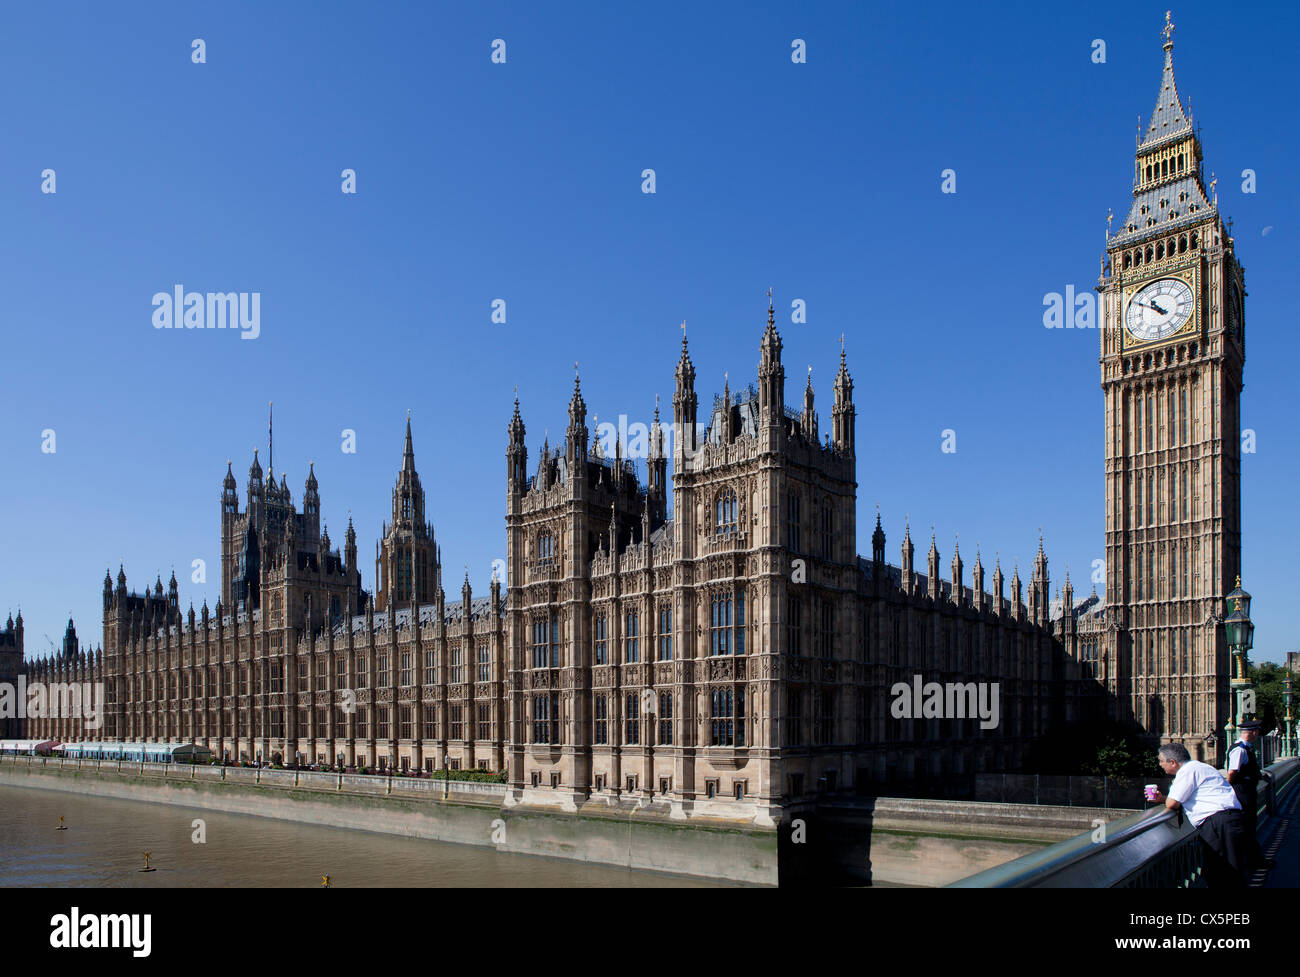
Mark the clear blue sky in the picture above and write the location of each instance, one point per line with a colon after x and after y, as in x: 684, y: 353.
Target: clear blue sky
x: 522, y: 182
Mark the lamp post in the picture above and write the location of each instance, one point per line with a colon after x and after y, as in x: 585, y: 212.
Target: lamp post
x: 1241, y: 636
x: 1288, y: 744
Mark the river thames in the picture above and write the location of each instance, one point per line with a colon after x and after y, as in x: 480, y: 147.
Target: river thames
x: 105, y: 839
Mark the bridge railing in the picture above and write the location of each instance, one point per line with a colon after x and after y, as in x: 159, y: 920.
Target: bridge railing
x: 1157, y: 848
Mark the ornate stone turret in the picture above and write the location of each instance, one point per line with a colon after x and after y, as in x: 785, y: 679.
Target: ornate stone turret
x: 685, y: 403
x: 405, y: 567
x: 932, y: 569
x: 516, y: 454
x: 771, y: 374
x: 1039, y: 589
x: 311, y: 501
x: 909, y: 578
x: 229, y: 493
x: 576, y: 443
x: 809, y: 414
x: 255, y: 487
x: 725, y: 433
x: 657, y: 469
x: 958, y: 597
x: 843, y: 414
x: 350, y: 548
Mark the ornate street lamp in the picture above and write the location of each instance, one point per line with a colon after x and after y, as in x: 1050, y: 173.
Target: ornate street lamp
x: 1288, y: 744
x: 1240, y: 633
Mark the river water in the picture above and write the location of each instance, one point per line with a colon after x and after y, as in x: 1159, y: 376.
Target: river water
x: 105, y: 839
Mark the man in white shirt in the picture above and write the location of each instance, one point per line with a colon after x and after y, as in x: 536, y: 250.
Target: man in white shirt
x: 1213, y: 808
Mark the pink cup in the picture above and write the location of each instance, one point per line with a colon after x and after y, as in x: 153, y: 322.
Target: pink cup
x: 1150, y: 791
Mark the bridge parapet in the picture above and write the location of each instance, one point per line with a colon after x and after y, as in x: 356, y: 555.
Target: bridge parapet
x: 1157, y: 848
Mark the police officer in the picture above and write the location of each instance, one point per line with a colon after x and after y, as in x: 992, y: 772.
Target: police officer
x: 1244, y: 774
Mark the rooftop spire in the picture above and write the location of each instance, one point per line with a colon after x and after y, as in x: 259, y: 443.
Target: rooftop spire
x: 516, y: 423
x: 577, y: 406
x: 408, y: 452
x: 1168, y: 118
x: 270, y: 441
x: 771, y: 345
x: 684, y: 365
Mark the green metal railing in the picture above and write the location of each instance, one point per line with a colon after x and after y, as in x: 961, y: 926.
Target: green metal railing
x: 1157, y: 848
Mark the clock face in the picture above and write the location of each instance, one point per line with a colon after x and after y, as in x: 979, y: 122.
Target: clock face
x: 1159, y: 309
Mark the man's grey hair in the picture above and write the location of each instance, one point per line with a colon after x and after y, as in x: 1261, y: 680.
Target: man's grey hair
x: 1176, y: 752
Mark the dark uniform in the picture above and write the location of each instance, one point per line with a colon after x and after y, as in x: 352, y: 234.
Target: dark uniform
x: 1246, y: 787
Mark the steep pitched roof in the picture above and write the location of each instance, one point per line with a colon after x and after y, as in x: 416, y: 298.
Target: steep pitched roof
x: 1165, y: 208
x: 1168, y: 120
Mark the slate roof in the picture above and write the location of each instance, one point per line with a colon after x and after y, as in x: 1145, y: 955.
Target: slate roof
x: 1172, y: 205
x: 1091, y: 606
x: 1167, y: 207
x: 1168, y: 120
x: 744, y: 410
x: 664, y: 532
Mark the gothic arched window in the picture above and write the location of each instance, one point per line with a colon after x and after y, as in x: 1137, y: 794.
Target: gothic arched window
x: 545, y: 549
x: 726, y: 512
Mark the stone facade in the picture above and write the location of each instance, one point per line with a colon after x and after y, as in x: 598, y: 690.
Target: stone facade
x: 11, y: 666
x: 727, y: 651
x: 1172, y: 355
x: 732, y: 660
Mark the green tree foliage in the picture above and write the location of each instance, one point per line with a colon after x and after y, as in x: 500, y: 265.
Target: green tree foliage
x: 1270, y: 687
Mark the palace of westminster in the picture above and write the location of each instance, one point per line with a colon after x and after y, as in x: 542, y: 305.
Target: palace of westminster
x: 729, y: 653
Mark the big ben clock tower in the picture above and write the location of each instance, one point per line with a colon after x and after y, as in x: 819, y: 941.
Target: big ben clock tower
x: 1172, y: 351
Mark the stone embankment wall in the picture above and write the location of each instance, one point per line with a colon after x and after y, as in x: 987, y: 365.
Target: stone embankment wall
x: 885, y: 840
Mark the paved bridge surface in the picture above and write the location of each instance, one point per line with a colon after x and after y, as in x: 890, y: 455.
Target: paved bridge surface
x: 1280, y: 839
